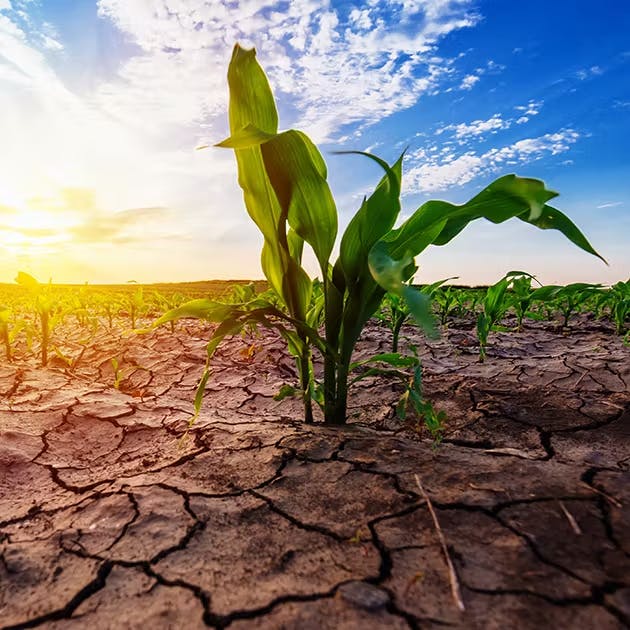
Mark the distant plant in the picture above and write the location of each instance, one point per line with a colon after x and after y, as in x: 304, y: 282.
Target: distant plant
x: 5, y: 334
x: 568, y: 299
x: 619, y: 302
x: 521, y: 297
x: 397, y: 312
x: 283, y: 177
x: 495, y: 304
x: 49, y: 313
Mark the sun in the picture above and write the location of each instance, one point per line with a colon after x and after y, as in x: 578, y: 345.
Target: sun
x: 27, y: 230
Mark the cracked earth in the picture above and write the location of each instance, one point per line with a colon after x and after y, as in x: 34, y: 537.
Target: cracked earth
x: 112, y: 516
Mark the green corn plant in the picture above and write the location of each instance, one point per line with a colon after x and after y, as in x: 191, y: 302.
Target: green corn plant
x: 136, y: 306
x: 49, y: 313
x: 495, y: 305
x: 466, y: 301
x: 446, y: 302
x: 283, y: 177
x: 567, y: 299
x: 397, y: 312
x: 619, y: 302
x: 5, y: 316
x: 521, y: 297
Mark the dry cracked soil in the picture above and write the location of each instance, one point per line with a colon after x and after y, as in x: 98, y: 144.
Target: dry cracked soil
x: 113, y: 516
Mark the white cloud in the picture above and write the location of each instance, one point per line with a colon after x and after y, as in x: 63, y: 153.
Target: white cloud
x: 587, y: 73
x: 430, y: 171
x: 476, y: 127
x: 335, y: 68
x: 612, y: 204
x: 468, y: 82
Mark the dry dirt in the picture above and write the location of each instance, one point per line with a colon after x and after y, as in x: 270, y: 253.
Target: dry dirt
x: 109, y: 519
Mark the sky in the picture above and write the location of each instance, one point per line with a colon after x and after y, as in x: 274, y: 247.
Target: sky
x: 104, y: 102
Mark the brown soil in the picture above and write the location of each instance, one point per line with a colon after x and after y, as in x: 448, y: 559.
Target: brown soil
x: 109, y: 519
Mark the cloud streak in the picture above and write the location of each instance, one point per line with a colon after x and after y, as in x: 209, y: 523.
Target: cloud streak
x: 429, y: 171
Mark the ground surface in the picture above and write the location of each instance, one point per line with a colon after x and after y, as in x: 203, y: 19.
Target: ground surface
x: 109, y: 520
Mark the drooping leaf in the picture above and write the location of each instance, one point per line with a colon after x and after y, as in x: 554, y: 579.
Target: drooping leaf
x: 391, y: 358
x: 203, y: 308
x: 390, y: 275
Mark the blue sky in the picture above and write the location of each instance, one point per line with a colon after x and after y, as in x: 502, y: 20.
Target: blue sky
x: 105, y: 101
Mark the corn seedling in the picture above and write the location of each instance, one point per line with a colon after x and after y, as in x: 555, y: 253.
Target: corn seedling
x: 495, y: 305
x: 619, y: 301
x: 567, y: 299
x: 397, y: 312
x: 49, y: 314
x: 521, y: 297
x: 5, y: 315
x: 283, y: 177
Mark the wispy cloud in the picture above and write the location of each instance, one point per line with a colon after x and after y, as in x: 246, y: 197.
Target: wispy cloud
x: 478, y: 129
x: 612, y: 204
x: 469, y: 81
x: 431, y: 171
x: 338, y: 65
x: 587, y: 73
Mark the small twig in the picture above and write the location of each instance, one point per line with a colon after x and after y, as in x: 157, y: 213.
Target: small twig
x: 574, y: 525
x: 580, y: 379
x: 486, y: 488
x: 610, y: 499
x: 455, y: 590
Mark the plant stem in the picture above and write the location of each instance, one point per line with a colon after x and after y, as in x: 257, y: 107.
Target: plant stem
x: 45, y: 335
x: 305, y: 380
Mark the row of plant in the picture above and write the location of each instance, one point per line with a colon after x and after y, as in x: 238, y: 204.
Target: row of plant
x: 36, y: 313
x: 515, y: 296
x: 31, y: 312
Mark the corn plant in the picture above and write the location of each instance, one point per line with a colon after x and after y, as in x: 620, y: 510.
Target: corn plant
x: 618, y: 297
x: 521, y: 297
x: 49, y: 313
x: 5, y: 333
x: 136, y: 306
x: 397, y: 312
x: 495, y: 305
x: 283, y: 177
x: 568, y: 299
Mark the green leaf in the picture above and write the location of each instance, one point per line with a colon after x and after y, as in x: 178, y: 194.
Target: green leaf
x: 245, y: 138
x: 373, y: 220
x: 390, y: 275
x: 297, y: 173
x: 253, y: 111
x: 391, y: 358
x: 507, y: 197
x: 552, y: 219
x: 286, y: 391
x: 200, y: 309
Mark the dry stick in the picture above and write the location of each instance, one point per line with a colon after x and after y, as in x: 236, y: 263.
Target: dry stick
x: 609, y: 498
x: 574, y: 525
x: 580, y: 379
x: 455, y: 590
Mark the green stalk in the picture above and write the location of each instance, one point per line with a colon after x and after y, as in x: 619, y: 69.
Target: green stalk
x: 45, y: 335
x: 399, y: 320
x: 5, y: 338
x: 305, y: 379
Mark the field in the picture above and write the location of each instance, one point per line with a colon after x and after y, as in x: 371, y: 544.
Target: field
x: 116, y: 511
